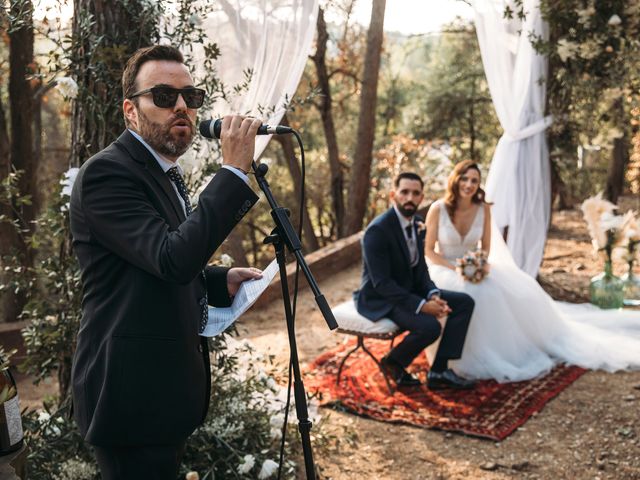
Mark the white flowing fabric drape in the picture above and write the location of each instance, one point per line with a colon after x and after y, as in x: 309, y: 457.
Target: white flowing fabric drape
x: 270, y: 38
x: 519, y: 177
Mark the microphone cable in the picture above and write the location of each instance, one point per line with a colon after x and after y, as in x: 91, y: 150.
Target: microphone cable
x: 295, y: 301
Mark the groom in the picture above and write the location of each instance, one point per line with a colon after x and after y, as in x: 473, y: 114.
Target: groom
x: 396, y: 285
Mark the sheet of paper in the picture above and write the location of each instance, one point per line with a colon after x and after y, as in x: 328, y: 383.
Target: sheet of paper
x: 248, y: 293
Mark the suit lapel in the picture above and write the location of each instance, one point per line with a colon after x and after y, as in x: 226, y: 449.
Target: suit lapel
x: 399, y: 234
x: 164, y: 182
x: 142, y: 155
x: 420, y: 236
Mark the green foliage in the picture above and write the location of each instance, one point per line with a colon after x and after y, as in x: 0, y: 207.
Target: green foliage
x: 52, y: 286
x: 452, y: 103
x: 56, y: 449
x: 244, y: 400
x: 593, y: 84
x: 244, y: 420
x: 16, y: 276
x: 54, y: 306
x: 13, y: 200
x: 245, y: 417
x: 95, y: 55
x: 5, y: 358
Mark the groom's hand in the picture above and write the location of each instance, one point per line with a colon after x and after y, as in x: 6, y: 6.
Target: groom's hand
x: 446, y: 309
x: 436, y: 307
x: 235, y: 276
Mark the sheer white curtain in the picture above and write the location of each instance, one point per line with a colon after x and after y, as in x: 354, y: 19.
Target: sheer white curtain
x: 519, y: 178
x: 270, y: 38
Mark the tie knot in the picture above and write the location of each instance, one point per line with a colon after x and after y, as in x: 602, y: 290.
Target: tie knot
x: 174, y: 174
x: 409, y: 230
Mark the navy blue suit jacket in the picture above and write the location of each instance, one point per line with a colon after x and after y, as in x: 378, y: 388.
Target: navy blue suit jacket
x: 387, y: 277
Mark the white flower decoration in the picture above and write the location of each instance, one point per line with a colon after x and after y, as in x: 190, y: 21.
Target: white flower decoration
x: 595, y: 209
x: 585, y: 15
x: 615, y: 20
x: 566, y: 49
x: 247, y: 464
x: 269, y: 467
x: 226, y: 260
x: 67, y: 87
x: 68, y: 180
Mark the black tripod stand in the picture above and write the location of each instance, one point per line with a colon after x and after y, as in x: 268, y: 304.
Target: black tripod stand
x: 284, y: 234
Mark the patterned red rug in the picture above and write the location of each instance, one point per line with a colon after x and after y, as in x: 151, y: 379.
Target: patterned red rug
x: 491, y: 410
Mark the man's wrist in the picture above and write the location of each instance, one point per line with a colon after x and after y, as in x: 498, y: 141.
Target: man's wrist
x: 433, y: 293
x: 238, y: 171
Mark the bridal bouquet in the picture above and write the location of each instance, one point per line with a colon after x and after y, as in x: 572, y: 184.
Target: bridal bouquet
x: 472, y: 265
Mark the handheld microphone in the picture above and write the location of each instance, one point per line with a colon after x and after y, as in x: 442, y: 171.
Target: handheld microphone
x: 211, y: 129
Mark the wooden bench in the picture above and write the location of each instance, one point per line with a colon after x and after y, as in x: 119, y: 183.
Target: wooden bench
x: 350, y: 322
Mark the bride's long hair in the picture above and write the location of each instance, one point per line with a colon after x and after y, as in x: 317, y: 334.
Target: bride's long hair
x: 451, y: 197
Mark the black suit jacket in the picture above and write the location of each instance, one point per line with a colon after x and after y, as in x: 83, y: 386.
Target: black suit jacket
x: 387, y: 277
x: 140, y: 371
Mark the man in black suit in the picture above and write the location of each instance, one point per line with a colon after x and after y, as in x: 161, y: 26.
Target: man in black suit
x: 396, y: 285
x: 140, y: 378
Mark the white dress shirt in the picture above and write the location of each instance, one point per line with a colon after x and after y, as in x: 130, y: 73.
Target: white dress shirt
x: 166, y: 164
x: 412, y: 245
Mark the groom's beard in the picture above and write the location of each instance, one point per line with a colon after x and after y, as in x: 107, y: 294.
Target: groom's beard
x: 407, y: 209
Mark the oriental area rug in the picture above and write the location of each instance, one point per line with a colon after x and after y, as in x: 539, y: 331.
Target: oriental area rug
x: 491, y: 410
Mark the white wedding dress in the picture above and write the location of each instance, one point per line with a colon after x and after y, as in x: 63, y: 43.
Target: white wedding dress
x: 517, y: 331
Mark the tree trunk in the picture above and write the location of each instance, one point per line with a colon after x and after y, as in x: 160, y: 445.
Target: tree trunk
x: 38, y: 197
x: 558, y: 189
x: 21, y: 108
x: 309, y: 240
x: 21, y: 149
x: 472, y: 123
x: 103, y: 39
x: 615, y: 173
x: 9, y: 309
x: 326, y: 113
x: 359, y: 182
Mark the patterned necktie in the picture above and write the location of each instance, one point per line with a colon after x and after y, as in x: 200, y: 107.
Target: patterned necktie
x: 176, y: 178
x: 178, y: 181
x: 411, y: 245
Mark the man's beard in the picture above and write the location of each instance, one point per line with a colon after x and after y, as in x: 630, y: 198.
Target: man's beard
x: 162, y: 139
x: 407, y: 210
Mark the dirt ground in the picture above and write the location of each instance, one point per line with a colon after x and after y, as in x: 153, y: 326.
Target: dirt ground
x: 590, y: 431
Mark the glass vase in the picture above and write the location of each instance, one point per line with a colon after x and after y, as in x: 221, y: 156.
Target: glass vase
x: 606, y: 289
x: 631, y: 288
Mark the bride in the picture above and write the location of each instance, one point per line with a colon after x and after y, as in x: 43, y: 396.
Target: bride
x: 517, y: 331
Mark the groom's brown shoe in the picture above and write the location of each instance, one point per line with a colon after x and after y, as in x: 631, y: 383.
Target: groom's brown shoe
x: 399, y: 375
x: 448, y: 379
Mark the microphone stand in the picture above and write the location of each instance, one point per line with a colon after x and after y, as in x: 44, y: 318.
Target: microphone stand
x: 284, y: 234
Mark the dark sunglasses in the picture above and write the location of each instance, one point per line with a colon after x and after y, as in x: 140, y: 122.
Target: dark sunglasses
x: 166, y: 97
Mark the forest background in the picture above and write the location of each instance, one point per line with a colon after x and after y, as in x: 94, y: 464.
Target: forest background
x: 370, y: 104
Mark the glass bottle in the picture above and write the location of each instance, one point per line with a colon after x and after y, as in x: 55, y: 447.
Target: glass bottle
x: 606, y: 289
x: 11, y: 434
x: 631, y: 287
